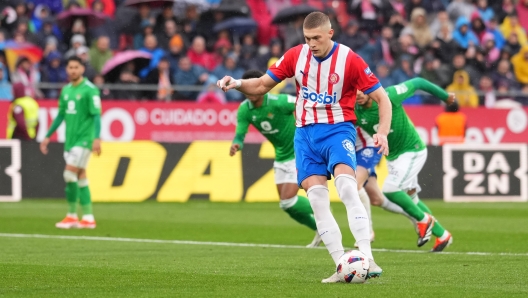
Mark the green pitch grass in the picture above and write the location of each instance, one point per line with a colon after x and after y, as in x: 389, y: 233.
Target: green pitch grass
x: 43, y: 267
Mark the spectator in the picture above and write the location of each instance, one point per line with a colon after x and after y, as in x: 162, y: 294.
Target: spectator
x: 460, y: 8
x: 229, y: 68
x: 492, y: 52
x: 275, y: 52
x: 370, y: 13
x: 188, y: 74
x: 100, y: 53
x: 418, y: 28
x: 167, y: 14
x: 475, y: 57
x: 77, y: 41
x: 176, y: 51
x: 168, y: 31
x: 146, y: 29
x: 139, y: 20
x: 352, y: 38
x: 27, y: 74
x: 84, y: 53
x: 493, y: 26
x: 211, y: 94
x: 248, y: 59
x: 293, y: 33
x: 23, y: 29
x: 520, y: 65
x: 406, y: 46
x: 41, y: 16
x: 333, y: 21
x: 399, y: 7
x: 503, y: 74
x: 105, y: 93
x: 462, y: 35
x: 507, y: 8
x: 386, y: 47
x: 477, y: 26
x: 404, y: 71
x: 108, y: 6
x: 151, y: 47
x: 459, y: 63
x: 161, y: 77
x: 78, y: 28
x: 384, y: 75
x: 513, y: 44
x: 487, y: 98
x: 48, y: 32
x: 432, y: 71
x: 465, y: 93
x: 109, y: 27
x: 444, y: 47
x: 441, y: 20
x: 126, y: 77
x: 55, y: 6
x: 397, y: 23
x: 522, y: 11
x: 199, y: 56
x: 6, y: 92
x: 511, y: 25
x: 53, y: 72
x: 485, y: 12
x: 427, y: 5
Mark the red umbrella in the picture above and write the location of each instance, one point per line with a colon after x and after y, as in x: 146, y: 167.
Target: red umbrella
x: 93, y: 18
x: 150, y: 3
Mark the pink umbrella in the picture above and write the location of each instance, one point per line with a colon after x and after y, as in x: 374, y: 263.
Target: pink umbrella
x: 93, y: 18
x: 112, y: 67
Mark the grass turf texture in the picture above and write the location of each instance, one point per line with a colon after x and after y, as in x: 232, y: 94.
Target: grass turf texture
x: 81, y: 268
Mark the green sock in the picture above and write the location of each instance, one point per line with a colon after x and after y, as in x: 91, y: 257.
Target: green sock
x: 72, y: 193
x: 302, y: 212
x: 86, y: 200
x: 424, y: 207
x: 403, y: 200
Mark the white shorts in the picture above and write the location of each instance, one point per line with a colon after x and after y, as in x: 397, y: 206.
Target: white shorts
x: 285, y: 172
x: 77, y: 157
x: 403, y: 171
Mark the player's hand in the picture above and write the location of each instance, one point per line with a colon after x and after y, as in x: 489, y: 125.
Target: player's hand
x: 234, y: 148
x: 44, y: 146
x: 451, y: 98
x: 227, y: 83
x: 96, y: 147
x: 380, y: 140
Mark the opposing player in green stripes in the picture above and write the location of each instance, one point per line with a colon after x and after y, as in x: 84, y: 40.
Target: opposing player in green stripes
x: 407, y: 156
x: 272, y: 115
x: 80, y: 108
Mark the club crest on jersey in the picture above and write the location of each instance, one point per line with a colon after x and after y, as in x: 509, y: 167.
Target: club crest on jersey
x: 270, y: 115
x: 367, y: 152
x: 78, y: 96
x: 333, y: 78
x: 368, y: 72
x: 363, y: 121
x: 323, y: 98
x: 347, y: 144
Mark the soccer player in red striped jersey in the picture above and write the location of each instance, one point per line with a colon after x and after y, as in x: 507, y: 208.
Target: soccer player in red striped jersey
x: 327, y: 75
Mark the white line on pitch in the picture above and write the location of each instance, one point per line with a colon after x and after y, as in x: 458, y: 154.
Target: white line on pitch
x: 234, y: 244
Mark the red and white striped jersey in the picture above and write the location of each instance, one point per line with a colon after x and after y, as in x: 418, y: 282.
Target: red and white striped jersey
x: 363, y: 139
x: 326, y: 87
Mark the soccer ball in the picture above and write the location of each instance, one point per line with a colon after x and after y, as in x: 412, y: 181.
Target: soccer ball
x: 353, y: 267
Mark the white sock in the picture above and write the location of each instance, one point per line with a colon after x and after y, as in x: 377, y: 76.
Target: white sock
x: 444, y: 236
x: 358, y: 220
x: 288, y: 203
x: 72, y: 215
x: 415, y: 197
x: 365, y: 200
x: 425, y: 219
x: 88, y: 217
x: 326, y: 224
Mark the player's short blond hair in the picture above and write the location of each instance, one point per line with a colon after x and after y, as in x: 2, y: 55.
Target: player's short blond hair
x: 316, y: 19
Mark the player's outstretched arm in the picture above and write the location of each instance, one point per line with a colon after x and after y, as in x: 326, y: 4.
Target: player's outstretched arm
x: 385, y: 115
x: 258, y: 86
x: 431, y: 88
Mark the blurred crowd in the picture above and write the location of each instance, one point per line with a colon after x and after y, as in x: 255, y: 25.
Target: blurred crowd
x: 476, y: 48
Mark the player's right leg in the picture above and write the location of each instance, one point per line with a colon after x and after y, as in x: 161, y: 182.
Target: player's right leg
x: 297, y: 207
x: 312, y: 175
x: 72, y: 190
x: 402, y: 172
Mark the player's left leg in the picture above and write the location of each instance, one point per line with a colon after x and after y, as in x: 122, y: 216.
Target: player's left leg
x: 88, y: 220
